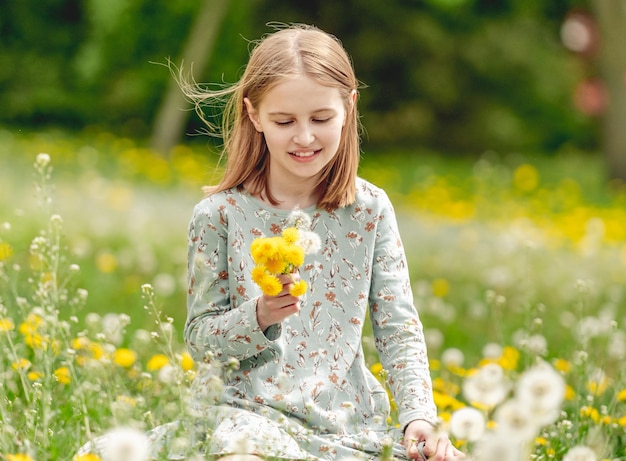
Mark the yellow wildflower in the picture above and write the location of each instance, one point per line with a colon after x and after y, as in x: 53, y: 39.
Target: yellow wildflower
x: 18, y: 457
x: 6, y: 251
x: 62, y: 375
x: 21, y: 364
x: 621, y: 396
x: 124, y: 357
x: 274, y: 256
x: 87, y: 457
x: 157, y: 362
x: 509, y: 358
x: 440, y: 287
x: 526, y: 178
x: 6, y: 325
x: 298, y: 288
x: 562, y: 365
x: 35, y: 375
x: 186, y: 361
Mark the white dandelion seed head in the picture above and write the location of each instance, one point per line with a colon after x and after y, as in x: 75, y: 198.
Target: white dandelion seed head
x: 126, y: 444
x: 433, y: 337
x: 467, y: 423
x: 492, y: 351
x: 514, y: 418
x: 541, y: 388
x: 488, y: 386
x: 537, y: 344
x: 113, y: 328
x: 299, y: 219
x: 310, y: 242
x: 42, y: 159
x: 452, y: 357
x: 497, y: 448
x: 616, y: 348
x: 167, y: 374
x: 580, y: 453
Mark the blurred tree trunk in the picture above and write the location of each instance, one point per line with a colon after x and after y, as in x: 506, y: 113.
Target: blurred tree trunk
x: 172, y: 115
x: 611, y: 19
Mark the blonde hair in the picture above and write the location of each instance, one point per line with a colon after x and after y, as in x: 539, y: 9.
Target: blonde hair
x: 293, y: 50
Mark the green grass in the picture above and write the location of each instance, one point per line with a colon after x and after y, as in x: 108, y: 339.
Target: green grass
x: 525, y: 252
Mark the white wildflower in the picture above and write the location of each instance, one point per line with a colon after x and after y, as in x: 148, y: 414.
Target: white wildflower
x: 580, y: 453
x: 492, y: 351
x: 497, y: 448
x: 515, y: 419
x: 310, y: 242
x: 126, y: 444
x: 452, y: 357
x: 488, y: 386
x: 542, y: 389
x: 42, y: 160
x: 467, y: 423
x: 299, y: 219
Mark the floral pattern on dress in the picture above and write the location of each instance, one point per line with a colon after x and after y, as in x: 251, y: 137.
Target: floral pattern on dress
x: 306, y: 378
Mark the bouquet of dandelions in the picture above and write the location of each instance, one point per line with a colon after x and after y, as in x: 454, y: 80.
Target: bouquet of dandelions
x: 283, y: 254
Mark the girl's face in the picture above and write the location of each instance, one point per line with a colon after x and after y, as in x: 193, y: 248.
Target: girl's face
x: 302, y: 122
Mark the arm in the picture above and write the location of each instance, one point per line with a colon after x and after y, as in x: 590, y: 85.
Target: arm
x: 215, y: 324
x: 397, y: 328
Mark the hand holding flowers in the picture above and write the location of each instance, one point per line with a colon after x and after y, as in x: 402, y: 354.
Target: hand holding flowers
x: 284, y: 254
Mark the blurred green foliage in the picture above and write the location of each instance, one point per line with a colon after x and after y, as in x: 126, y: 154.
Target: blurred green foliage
x: 449, y: 75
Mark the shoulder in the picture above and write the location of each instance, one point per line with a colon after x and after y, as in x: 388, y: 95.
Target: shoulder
x: 370, y: 195
x: 221, y: 205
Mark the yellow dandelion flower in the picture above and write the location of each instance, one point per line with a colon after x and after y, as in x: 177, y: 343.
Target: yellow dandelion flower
x: 526, y: 178
x: 21, y: 364
x: 509, y: 358
x: 275, y: 265
x: 570, y: 393
x: 157, y: 362
x: 106, y: 262
x: 18, y: 457
x: 87, y: 457
x: 270, y: 285
x: 35, y: 375
x: 562, y: 365
x: 440, y: 287
x: 6, y: 251
x: 126, y: 400
x: 291, y: 234
x: 622, y: 421
x: 6, y: 325
x: 62, y: 375
x: 186, y: 361
x: 258, y: 273
x: 542, y: 441
x: 621, y: 395
x: 124, y: 357
x: 293, y: 255
x: 298, y: 288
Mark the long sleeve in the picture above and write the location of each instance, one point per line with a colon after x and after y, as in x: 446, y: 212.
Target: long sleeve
x: 397, y: 328
x: 217, y: 323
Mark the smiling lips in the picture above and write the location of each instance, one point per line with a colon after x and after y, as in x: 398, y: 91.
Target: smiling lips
x: 305, y: 154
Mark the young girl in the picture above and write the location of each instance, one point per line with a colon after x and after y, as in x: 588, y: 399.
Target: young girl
x: 283, y: 376
x: 300, y: 388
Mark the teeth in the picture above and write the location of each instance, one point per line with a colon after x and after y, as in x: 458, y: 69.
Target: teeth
x: 303, y: 154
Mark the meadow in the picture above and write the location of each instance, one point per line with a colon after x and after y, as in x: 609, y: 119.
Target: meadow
x: 518, y: 265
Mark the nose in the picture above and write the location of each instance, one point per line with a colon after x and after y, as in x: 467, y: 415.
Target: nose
x: 304, y: 135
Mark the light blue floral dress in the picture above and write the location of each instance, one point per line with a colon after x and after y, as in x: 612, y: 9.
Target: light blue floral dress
x: 301, y: 389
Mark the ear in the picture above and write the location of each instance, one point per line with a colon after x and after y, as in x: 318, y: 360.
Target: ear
x: 352, y: 103
x: 253, y: 114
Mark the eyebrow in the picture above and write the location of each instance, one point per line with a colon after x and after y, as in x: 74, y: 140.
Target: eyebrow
x: 279, y: 113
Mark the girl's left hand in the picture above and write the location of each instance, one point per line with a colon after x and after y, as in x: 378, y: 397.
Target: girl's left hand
x: 438, y: 446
